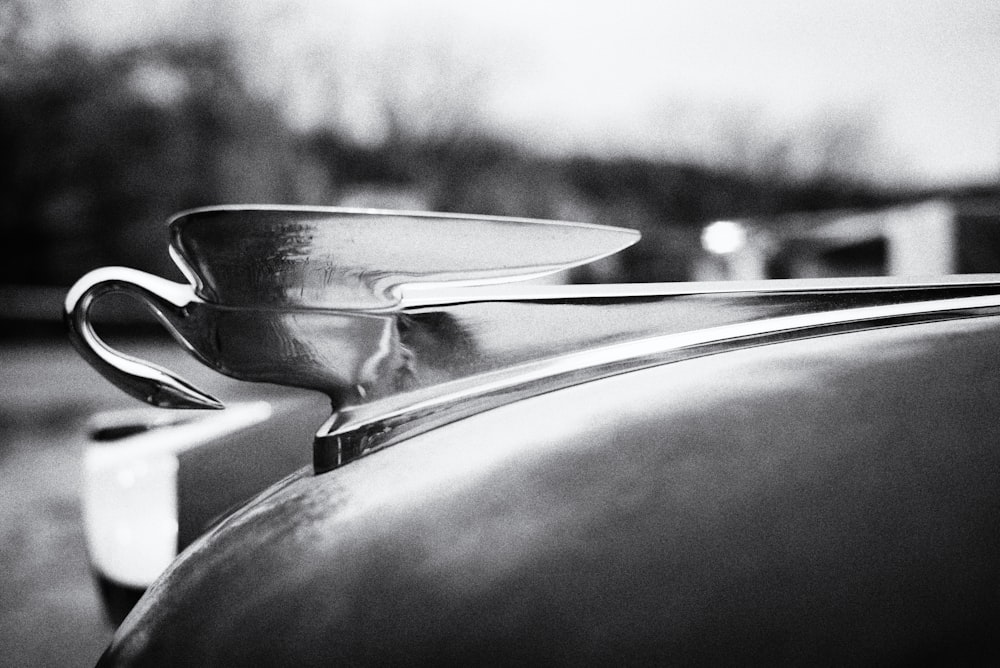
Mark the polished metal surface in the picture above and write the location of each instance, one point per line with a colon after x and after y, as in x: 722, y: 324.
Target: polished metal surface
x: 399, y: 318
x: 494, y: 361
x: 815, y: 502
x: 821, y: 499
x: 170, y: 303
x: 358, y: 259
x: 298, y: 295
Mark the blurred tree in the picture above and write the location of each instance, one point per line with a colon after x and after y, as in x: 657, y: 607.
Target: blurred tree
x: 833, y: 145
x: 96, y: 150
x: 842, y: 147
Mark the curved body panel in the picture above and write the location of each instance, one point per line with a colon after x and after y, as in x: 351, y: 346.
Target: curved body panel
x: 809, y: 502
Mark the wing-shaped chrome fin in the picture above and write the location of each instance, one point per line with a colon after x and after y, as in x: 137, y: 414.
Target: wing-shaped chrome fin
x: 357, y: 259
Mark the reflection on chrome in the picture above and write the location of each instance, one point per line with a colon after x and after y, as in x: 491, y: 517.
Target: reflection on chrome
x: 359, y: 430
x: 409, y: 321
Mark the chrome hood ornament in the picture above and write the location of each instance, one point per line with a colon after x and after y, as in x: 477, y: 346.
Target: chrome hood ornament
x: 306, y: 296
x: 412, y: 320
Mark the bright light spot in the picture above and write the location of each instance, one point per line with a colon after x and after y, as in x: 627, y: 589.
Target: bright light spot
x: 126, y: 478
x: 723, y: 237
x: 123, y: 535
x: 160, y: 84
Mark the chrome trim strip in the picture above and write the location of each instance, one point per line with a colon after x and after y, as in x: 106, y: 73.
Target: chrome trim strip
x: 360, y: 430
x: 416, y: 296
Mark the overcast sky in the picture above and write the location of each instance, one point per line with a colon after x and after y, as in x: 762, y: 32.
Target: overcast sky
x: 611, y: 76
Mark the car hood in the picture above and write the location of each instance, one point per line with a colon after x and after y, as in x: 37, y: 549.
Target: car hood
x: 825, y: 500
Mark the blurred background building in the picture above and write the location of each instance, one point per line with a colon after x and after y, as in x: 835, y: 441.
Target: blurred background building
x: 958, y: 234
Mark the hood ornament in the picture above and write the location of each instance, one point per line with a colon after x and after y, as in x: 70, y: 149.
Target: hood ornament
x: 408, y: 321
x: 307, y: 296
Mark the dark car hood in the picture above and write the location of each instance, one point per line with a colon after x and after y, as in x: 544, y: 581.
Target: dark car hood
x: 822, y: 501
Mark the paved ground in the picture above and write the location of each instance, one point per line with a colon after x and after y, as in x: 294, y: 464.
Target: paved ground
x: 49, y: 610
